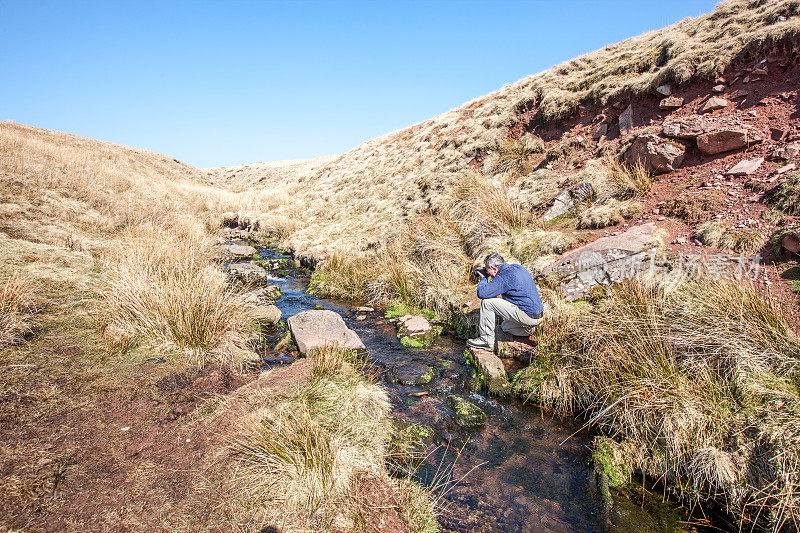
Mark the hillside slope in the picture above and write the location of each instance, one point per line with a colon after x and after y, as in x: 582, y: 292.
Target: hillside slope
x: 381, y: 183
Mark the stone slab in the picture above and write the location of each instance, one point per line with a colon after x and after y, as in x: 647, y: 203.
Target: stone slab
x: 314, y: 329
x: 490, y: 370
x: 745, y: 167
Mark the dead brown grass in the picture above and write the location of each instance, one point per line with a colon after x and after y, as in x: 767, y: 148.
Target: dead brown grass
x: 16, y: 305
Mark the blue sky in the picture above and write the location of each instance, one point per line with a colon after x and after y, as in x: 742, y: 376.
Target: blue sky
x: 224, y: 83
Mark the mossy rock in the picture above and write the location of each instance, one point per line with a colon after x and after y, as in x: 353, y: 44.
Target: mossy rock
x: 465, y: 413
x: 414, y: 374
x: 481, y: 381
x: 411, y: 342
x: 610, y: 457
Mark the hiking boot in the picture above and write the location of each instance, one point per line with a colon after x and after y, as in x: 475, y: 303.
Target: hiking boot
x: 479, y: 344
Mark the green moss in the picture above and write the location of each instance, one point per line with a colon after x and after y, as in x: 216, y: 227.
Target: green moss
x: 397, y: 309
x: 466, y: 414
x: 410, y: 342
x: 609, y: 457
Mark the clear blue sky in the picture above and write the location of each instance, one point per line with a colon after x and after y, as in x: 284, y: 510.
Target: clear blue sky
x: 224, y: 83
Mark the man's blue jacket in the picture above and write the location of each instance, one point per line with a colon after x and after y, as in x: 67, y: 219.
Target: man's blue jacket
x: 516, y: 285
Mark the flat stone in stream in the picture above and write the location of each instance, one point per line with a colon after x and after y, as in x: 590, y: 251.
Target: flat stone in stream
x: 313, y: 329
x: 489, y: 370
x: 413, y: 374
x: 466, y: 414
x: 248, y: 272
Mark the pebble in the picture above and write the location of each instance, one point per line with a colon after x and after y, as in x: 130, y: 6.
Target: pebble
x: 126, y: 428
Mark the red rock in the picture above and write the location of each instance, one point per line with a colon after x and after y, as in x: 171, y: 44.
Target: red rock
x: 759, y: 71
x: 791, y: 242
x: 726, y: 140
x: 671, y: 102
x: 686, y: 128
x: 599, y: 130
x: 745, y: 167
x: 655, y: 154
x: 713, y: 104
x: 626, y: 121
x: 778, y: 134
x: 738, y: 93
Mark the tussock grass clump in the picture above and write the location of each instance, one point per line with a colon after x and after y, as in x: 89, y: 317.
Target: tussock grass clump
x: 697, y: 380
x: 787, y: 196
x: 632, y: 181
x: 719, y: 234
x: 304, y: 460
x: 514, y: 155
x: 610, y: 213
x: 16, y: 305
x: 163, y: 288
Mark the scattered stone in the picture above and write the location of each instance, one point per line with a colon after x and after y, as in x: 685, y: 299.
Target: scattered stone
x: 626, y: 121
x: 745, y: 167
x: 655, y: 154
x: 687, y: 128
x: 791, y: 242
x: 719, y: 79
x: 268, y: 314
x: 671, y: 102
x: 489, y: 370
x: 762, y: 71
x: 714, y: 103
x: 419, y: 394
x: 364, y: 309
x: 738, y: 93
x: 664, y: 90
x: 718, y: 88
x: 247, y: 272
x: 413, y: 374
x: 314, y: 329
x: 465, y: 413
x: 726, y: 140
x: 778, y: 134
x: 568, y: 199
x: 788, y: 152
x: 607, y: 260
x: 359, y: 318
x: 600, y: 130
x: 786, y: 168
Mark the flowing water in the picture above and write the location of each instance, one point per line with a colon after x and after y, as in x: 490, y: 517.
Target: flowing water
x: 522, y: 471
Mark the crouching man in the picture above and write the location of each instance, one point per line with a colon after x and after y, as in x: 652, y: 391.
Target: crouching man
x: 520, y: 305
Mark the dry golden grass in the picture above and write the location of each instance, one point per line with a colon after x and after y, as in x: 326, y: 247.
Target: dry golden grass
x: 609, y: 213
x: 296, y: 463
x: 163, y: 288
x: 695, y: 380
x: 16, y: 301
x: 720, y: 234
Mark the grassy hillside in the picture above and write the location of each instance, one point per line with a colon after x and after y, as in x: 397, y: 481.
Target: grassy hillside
x: 360, y: 199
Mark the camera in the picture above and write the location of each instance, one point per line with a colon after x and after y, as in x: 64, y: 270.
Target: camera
x: 480, y: 273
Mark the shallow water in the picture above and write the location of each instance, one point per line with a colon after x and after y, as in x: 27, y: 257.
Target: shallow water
x: 522, y: 471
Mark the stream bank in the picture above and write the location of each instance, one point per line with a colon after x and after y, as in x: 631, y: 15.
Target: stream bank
x: 521, y: 470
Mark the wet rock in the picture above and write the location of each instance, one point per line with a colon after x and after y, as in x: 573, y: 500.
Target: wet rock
x: 664, y: 90
x: 726, y: 140
x: 626, y: 121
x: 364, y: 309
x: 672, y: 102
x: 413, y: 374
x: 788, y: 152
x: 466, y: 414
x: 655, y: 154
x: 248, y: 272
x: 416, y: 332
x: 263, y: 295
x: 687, y: 128
x: 313, y: 329
x: 745, y: 167
x: 607, y: 260
x: 714, y: 103
x: 268, y: 314
x: 489, y: 371
x: 568, y: 198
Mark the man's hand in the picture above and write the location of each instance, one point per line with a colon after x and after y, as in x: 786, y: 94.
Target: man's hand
x: 480, y: 273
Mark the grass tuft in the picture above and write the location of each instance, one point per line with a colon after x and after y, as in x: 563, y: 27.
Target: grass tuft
x: 719, y: 234
x: 16, y: 306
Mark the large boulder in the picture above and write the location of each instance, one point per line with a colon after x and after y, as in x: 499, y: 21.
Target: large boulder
x: 655, y: 154
x: 568, y: 198
x: 685, y: 128
x: 314, y: 329
x: 608, y: 259
x: 726, y: 140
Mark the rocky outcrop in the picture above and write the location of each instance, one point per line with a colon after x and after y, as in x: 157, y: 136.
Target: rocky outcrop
x: 686, y: 128
x: 607, y: 260
x: 489, y: 371
x: 568, y: 199
x: 313, y: 329
x: 466, y: 414
x: 726, y: 140
x: 654, y: 154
